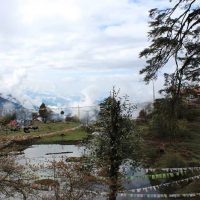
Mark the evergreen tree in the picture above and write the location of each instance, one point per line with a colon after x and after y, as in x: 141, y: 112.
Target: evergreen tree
x: 174, y: 36
x: 118, y: 140
x: 43, y: 112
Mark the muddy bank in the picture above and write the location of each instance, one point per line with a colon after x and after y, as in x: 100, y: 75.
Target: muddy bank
x: 16, y: 145
x: 66, y: 142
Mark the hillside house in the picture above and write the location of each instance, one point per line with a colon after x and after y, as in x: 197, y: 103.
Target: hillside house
x: 193, y: 98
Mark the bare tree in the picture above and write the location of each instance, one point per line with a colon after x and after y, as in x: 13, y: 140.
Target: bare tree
x: 13, y: 181
x: 75, y: 182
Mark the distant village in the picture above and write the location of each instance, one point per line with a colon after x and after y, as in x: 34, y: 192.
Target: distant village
x: 14, y: 117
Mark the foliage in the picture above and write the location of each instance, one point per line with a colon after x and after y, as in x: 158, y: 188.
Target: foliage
x: 117, y: 140
x: 43, y: 112
x: 164, y: 122
x: 171, y: 120
x: 174, y: 36
x: 6, y: 119
x: 70, y: 118
x: 34, y: 115
x: 145, y: 113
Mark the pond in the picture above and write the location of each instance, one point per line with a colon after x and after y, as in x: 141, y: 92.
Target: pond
x: 44, y: 154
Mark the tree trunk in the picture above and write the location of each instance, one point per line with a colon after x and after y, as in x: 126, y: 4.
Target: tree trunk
x: 114, y: 168
x: 113, y: 188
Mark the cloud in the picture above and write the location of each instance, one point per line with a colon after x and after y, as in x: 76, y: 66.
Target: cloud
x: 13, y: 80
x: 74, y: 47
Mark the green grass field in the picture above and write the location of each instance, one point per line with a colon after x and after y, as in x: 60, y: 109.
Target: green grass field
x: 43, y: 128
x: 71, y: 136
x: 185, y: 150
x: 49, y: 133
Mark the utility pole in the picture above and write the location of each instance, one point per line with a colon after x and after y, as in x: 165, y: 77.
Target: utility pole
x: 78, y: 112
x: 153, y: 92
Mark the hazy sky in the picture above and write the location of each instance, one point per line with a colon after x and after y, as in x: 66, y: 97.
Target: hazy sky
x: 74, y: 47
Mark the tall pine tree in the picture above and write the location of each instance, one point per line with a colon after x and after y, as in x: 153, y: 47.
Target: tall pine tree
x: 118, y: 139
x: 175, y: 37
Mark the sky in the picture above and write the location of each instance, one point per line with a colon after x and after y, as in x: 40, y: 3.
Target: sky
x: 74, y: 48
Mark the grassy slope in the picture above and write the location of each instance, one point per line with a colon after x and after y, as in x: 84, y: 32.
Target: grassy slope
x: 50, y: 133
x: 43, y: 129
x: 186, y: 149
x: 183, y: 152
x: 76, y: 135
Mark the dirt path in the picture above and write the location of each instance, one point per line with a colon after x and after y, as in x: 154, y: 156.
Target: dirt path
x: 7, y: 140
x: 59, y: 132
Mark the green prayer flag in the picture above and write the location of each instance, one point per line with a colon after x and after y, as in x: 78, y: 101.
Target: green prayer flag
x: 157, y: 176
x: 153, y: 177
x: 164, y: 175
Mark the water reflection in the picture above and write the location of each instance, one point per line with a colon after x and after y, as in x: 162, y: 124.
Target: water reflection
x: 37, y: 154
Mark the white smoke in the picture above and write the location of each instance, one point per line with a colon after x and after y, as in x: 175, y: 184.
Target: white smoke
x: 7, y: 109
x: 87, y: 108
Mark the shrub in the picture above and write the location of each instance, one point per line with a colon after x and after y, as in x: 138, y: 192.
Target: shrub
x: 182, y: 129
x: 6, y: 119
x: 71, y: 119
x: 172, y: 160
